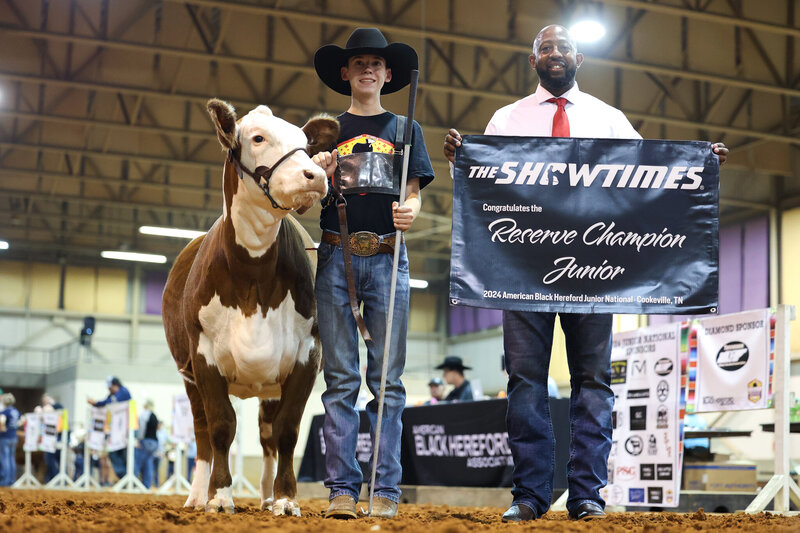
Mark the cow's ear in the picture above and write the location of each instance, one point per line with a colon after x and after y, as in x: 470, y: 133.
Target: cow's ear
x: 224, y: 118
x: 322, y: 133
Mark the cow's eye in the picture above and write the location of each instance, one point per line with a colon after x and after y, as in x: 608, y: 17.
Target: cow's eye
x: 258, y: 139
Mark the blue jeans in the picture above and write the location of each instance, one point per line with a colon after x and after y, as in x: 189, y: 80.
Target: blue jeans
x: 528, y: 338
x: 119, y: 462
x: 143, y: 460
x: 8, y: 461
x: 339, y: 336
x: 52, y: 461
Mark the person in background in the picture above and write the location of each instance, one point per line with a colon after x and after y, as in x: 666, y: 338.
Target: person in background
x: 9, y: 421
x: 146, y: 445
x: 453, y: 373
x: 76, y: 441
x: 162, y: 436
x: 2, y: 407
x: 436, y: 387
x: 52, y: 460
x: 116, y: 393
x: 191, y: 457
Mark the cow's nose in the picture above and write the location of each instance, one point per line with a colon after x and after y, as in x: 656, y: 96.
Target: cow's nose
x: 309, y: 175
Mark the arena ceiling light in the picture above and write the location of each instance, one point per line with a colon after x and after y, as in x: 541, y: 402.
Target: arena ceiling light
x: 587, y: 31
x: 417, y: 283
x: 3, y: 245
x: 171, y: 232
x: 133, y: 256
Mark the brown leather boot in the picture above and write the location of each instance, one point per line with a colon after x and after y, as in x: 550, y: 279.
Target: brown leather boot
x: 342, y: 507
x: 383, y: 507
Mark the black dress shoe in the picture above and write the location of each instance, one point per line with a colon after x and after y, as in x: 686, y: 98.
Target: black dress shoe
x: 587, y: 511
x: 519, y: 512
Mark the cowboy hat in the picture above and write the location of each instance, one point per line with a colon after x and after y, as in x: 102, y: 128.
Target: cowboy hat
x: 453, y: 362
x: 401, y: 58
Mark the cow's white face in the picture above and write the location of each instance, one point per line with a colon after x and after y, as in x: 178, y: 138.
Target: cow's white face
x: 264, y: 139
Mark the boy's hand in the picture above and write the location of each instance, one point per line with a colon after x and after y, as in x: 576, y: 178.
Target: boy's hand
x: 326, y: 160
x: 402, y: 216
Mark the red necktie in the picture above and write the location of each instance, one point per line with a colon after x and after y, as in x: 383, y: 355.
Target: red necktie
x: 560, y: 120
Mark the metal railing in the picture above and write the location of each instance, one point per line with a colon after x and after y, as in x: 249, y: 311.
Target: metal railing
x: 38, y: 360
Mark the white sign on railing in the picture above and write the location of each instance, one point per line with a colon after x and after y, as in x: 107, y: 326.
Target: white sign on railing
x: 96, y: 437
x: 50, y: 431
x: 182, y: 419
x: 33, y: 432
x: 730, y: 366
x: 644, y: 467
x: 118, y: 426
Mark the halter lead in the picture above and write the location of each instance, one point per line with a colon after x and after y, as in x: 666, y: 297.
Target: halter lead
x: 263, y: 171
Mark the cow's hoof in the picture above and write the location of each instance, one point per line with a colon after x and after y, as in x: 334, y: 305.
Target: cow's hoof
x: 215, y: 507
x: 287, y: 507
x: 195, y: 501
x: 222, y: 500
x: 266, y: 505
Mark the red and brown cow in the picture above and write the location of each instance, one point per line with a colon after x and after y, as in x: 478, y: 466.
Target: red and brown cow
x: 239, y: 308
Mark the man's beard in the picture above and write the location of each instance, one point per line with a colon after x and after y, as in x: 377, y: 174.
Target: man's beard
x: 557, y: 83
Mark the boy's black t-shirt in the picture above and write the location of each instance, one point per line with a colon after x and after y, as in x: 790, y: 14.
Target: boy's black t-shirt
x: 373, y: 211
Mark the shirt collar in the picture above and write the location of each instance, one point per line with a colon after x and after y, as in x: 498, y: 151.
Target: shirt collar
x: 542, y: 94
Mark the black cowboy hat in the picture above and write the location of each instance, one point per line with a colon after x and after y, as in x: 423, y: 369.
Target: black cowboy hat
x: 400, y: 57
x: 453, y: 362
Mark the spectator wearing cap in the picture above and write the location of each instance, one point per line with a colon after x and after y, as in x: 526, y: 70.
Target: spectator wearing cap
x: 453, y: 373
x: 436, y: 386
x: 116, y: 393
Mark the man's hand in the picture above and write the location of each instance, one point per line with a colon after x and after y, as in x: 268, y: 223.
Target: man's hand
x: 452, y: 141
x: 327, y: 160
x: 91, y: 402
x: 721, y: 151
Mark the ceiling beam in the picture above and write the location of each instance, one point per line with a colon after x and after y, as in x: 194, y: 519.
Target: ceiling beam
x: 261, y: 63
x: 704, y: 16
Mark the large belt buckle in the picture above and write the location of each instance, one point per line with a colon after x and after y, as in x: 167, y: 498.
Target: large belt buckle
x: 364, y: 243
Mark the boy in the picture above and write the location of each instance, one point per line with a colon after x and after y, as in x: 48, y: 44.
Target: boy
x: 366, y: 171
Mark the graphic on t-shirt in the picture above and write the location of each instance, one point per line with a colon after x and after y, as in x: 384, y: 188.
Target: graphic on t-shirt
x: 363, y: 144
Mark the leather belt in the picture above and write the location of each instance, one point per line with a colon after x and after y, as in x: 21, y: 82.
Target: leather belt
x: 362, y: 243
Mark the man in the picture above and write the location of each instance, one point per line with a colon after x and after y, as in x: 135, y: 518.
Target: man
x: 453, y: 373
x: 147, y: 444
x: 52, y: 460
x: 436, y: 388
x: 9, y: 421
x: 366, y: 173
x: 116, y: 393
x: 558, y: 108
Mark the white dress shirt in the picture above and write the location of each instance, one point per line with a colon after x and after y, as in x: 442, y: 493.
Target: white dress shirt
x: 532, y: 116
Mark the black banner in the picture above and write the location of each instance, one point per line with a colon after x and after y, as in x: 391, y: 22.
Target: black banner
x: 585, y: 225
x: 312, y: 468
x: 449, y: 444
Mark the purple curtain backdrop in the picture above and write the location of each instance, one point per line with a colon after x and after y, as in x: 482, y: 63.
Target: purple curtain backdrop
x: 755, y: 264
x: 471, y: 319
x: 154, y: 282
x: 743, y: 269
x: 730, y: 269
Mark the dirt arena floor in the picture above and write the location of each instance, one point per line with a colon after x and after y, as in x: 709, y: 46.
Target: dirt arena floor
x: 55, y: 512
